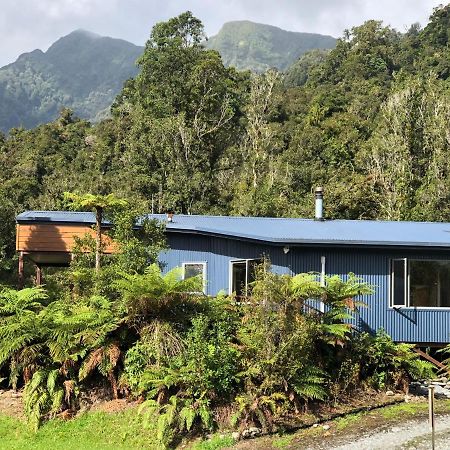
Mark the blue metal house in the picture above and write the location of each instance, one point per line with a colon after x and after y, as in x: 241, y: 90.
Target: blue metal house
x: 408, y: 263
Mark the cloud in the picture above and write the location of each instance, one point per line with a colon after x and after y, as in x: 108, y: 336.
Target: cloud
x: 29, y: 24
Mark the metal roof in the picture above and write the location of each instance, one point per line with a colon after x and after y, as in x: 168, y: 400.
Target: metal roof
x: 284, y: 230
x: 56, y: 216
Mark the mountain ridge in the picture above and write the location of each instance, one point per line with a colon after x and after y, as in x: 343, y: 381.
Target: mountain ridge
x: 249, y: 45
x: 82, y: 71
x: 85, y: 71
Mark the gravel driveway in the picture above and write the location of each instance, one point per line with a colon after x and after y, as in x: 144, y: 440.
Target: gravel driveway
x: 410, y: 435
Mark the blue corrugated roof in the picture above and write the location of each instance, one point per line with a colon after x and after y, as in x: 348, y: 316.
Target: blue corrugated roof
x: 56, y: 216
x: 285, y: 230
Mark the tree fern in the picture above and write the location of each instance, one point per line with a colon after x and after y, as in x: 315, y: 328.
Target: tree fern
x: 42, y: 395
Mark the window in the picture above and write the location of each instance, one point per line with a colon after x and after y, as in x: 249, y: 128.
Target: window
x: 195, y: 269
x: 420, y: 283
x: 242, y: 274
x: 429, y: 283
x: 399, y: 282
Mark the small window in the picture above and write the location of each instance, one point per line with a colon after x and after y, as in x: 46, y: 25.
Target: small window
x: 195, y: 269
x: 242, y: 275
x: 399, y: 280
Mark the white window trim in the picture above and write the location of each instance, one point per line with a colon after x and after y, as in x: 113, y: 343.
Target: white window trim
x: 204, y: 273
x: 391, y: 284
x: 230, y: 271
x: 406, y: 304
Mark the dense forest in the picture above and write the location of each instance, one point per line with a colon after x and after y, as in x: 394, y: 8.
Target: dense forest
x: 368, y: 120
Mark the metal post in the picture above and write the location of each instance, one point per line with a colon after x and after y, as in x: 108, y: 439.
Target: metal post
x: 431, y: 412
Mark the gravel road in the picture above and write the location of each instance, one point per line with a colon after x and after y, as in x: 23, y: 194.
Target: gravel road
x: 409, y: 435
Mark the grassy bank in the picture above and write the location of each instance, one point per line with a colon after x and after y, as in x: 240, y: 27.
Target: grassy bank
x: 124, y: 430
x: 93, y: 431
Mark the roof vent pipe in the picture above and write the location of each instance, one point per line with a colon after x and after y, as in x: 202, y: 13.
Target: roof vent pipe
x: 319, y: 203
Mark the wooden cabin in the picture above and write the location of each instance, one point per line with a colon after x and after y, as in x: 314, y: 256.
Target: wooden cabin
x: 48, y: 238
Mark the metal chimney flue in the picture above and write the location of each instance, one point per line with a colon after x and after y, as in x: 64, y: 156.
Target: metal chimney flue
x: 319, y: 203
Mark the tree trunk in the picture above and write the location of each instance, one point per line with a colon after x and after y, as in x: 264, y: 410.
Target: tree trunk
x: 98, y: 240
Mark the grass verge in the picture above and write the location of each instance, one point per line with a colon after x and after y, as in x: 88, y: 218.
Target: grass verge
x: 93, y: 431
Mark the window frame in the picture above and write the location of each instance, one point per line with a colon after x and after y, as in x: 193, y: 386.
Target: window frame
x: 407, y: 300
x: 405, y: 303
x: 204, y: 272
x: 230, y: 272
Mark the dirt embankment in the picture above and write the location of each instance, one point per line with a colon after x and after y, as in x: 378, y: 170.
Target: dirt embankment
x: 11, y: 403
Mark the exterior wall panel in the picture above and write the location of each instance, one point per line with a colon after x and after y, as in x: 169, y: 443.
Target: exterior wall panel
x: 430, y: 325
x: 49, y: 237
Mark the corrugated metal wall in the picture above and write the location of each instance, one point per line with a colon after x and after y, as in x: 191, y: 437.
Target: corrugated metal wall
x: 373, y: 266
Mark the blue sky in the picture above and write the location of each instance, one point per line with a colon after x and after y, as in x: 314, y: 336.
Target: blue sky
x: 29, y: 24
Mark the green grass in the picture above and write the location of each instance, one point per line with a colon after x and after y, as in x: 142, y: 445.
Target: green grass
x: 124, y: 430
x: 217, y: 442
x: 345, y: 421
x: 283, y: 441
x: 404, y: 410
x: 91, y: 431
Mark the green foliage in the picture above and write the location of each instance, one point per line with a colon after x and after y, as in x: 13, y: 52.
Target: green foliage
x: 183, y: 108
x: 387, y: 364
x: 298, y: 73
x: 43, y: 396
x: 176, y: 416
x: 188, y: 134
x: 22, y: 331
x: 93, y: 202
x: 91, y: 430
x: 217, y: 442
x: 152, y: 294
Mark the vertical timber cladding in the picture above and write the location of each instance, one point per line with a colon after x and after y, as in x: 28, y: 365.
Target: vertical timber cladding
x: 416, y: 325
x: 50, y: 237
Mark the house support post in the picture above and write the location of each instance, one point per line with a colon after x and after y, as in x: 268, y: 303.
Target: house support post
x: 20, y: 271
x: 38, y: 275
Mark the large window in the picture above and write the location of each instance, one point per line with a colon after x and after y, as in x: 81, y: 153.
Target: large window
x: 242, y: 274
x: 420, y: 283
x: 195, y: 269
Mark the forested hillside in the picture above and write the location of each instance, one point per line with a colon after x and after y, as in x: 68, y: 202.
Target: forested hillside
x: 85, y: 72
x: 369, y: 121
x: 82, y: 71
x: 258, y: 47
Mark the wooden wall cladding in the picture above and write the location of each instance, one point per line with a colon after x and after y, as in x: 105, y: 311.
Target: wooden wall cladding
x: 53, y: 238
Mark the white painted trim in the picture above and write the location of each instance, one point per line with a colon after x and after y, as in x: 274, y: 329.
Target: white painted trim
x: 323, y: 261
x: 407, y: 305
x: 391, y: 283
x: 204, y: 264
x: 230, y: 271
x: 422, y: 308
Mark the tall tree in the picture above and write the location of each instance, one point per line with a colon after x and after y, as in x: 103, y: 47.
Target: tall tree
x: 99, y: 204
x: 183, y: 110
